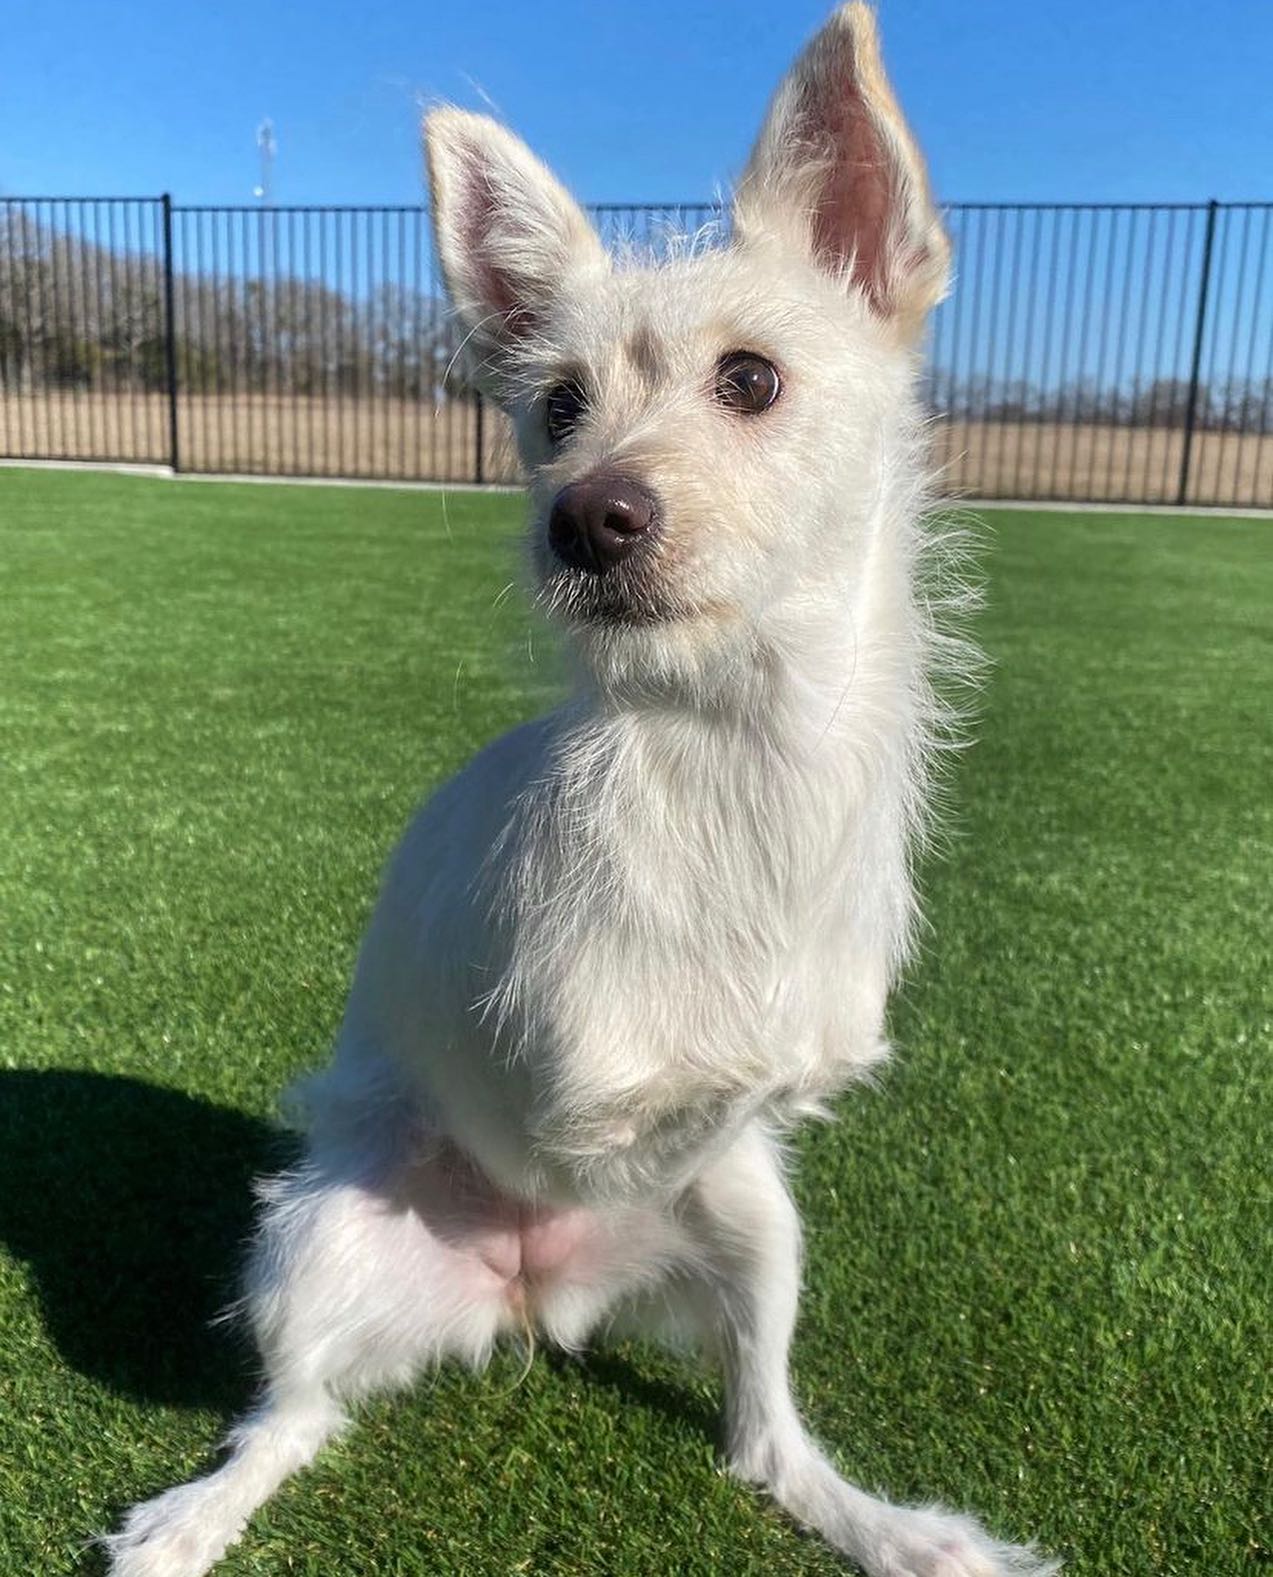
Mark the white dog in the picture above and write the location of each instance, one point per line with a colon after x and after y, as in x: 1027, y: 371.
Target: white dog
x: 634, y: 942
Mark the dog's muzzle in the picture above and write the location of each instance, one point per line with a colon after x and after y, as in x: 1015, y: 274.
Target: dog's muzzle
x: 600, y: 520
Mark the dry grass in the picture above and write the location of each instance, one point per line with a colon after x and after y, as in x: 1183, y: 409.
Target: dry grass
x: 1103, y: 462
x: 413, y: 440
x: 270, y: 434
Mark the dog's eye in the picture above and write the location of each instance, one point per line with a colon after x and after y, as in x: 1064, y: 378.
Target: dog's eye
x: 746, y: 383
x: 563, y: 408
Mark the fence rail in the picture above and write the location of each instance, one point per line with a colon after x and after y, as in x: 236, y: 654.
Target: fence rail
x: 1088, y: 351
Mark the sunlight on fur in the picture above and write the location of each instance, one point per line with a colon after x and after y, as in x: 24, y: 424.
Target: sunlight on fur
x: 636, y: 941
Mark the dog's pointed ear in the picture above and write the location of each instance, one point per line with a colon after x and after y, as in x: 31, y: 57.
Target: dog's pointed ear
x: 509, y: 236
x: 836, y: 171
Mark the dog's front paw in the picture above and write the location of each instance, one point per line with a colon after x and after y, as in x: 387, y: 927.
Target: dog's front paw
x: 171, y: 1536
x: 936, y: 1543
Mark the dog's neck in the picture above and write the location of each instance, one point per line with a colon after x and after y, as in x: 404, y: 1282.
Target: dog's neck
x: 804, y: 762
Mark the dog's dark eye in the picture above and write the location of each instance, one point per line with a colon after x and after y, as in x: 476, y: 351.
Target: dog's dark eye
x: 563, y: 408
x: 746, y: 383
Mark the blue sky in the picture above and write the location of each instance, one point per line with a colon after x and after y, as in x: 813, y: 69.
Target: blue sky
x: 1028, y: 99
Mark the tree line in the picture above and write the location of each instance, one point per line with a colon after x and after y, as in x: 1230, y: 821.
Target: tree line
x: 74, y: 314
x: 1237, y: 404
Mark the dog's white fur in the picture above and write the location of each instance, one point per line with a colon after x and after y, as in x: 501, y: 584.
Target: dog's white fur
x: 633, y: 942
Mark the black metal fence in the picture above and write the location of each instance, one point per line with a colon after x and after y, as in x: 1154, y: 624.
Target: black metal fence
x: 1087, y: 351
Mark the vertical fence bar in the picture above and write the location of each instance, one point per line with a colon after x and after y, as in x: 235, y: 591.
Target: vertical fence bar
x: 126, y: 322
x: 1027, y: 356
x: 422, y: 275
x: 338, y: 311
x: 1180, y: 355
x: 80, y: 369
x: 170, y: 338
x: 1195, y: 367
x: 207, y: 329
x: 264, y: 436
x: 356, y: 321
x: 1264, y: 421
x: 405, y: 309
x: 1228, y: 418
x: 1207, y: 387
x: 51, y: 316
x: 8, y: 446
x: 479, y: 426
x: 970, y: 381
x: 1250, y: 417
x: 108, y: 447
x: 1113, y: 411
x: 1134, y: 405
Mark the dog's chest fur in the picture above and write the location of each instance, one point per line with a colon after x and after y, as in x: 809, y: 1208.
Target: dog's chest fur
x: 645, y: 931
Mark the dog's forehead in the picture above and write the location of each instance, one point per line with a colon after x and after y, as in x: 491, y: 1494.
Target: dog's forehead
x: 659, y: 315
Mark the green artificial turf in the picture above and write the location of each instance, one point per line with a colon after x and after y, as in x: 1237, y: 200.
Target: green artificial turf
x: 1038, y: 1275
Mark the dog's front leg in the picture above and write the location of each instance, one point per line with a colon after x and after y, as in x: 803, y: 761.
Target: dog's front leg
x: 364, y: 1270
x: 745, y: 1224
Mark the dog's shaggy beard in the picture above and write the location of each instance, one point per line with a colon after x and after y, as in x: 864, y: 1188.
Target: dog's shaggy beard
x: 618, y: 599
x: 639, y: 645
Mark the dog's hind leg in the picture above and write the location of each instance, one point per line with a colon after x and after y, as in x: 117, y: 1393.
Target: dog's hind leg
x: 748, y: 1234
x: 186, y: 1530
x: 356, y: 1281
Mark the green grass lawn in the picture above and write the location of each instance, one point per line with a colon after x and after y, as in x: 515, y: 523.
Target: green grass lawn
x: 1038, y: 1257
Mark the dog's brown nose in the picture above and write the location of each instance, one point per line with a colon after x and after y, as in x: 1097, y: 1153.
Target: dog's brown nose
x: 598, y: 520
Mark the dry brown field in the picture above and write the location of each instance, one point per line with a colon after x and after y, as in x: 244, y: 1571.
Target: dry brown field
x: 409, y: 440
x: 1055, y: 460
x: 264, y: 434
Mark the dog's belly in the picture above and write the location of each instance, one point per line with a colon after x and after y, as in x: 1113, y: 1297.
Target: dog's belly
x: 540, y: 1241
x: 519, y: 1248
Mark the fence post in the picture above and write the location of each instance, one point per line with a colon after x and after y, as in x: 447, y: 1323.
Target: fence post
x: 1195, y: 367
x: 479, y: 444
x: 170, y: 339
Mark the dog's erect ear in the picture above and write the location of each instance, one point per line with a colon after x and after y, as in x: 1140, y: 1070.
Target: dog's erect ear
x: 836, y: 170
x: 509, y: 236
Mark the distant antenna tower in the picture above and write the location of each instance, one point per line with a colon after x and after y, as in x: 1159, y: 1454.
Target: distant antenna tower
x: 267, y: 147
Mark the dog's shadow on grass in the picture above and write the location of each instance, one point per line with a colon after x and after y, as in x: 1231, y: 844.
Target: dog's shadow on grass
x: 130, y: 1204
